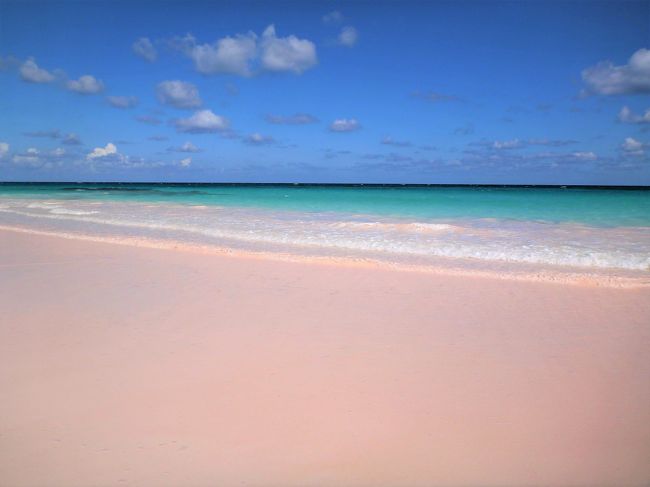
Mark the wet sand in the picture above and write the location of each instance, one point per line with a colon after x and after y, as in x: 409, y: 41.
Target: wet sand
x: 130, y: 366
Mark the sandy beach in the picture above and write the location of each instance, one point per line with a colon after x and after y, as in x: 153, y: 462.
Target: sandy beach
x: 131, y: 366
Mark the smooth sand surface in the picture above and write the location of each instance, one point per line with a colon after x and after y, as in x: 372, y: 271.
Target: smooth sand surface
x: 130, y: 366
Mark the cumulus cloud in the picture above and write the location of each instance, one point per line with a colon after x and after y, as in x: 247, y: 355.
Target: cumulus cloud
x: 627, y: 116
x: 71, y: 139
x: 286, y: 53
x: 30, y: 72
x: 4, y: 149
x: 186, y: 162
x: 348, y: 36
x: 231, y: 55
x: 244, y: 54
x: 633, y: 147
x: 85, y: 85
x: 632, y: 78
x: 29, y: 158
x: 345, y: 125
x: 101, y: 152
x: 333, y: 17
x: 186, y: 147
x: 145, y: 49
x: 202, y: 121
x: 258, y: 139
x: 179, y: 94
x: 295, y: 119
x: 122, y: 101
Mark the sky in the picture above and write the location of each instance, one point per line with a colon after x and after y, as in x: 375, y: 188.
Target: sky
x: 347, y: 92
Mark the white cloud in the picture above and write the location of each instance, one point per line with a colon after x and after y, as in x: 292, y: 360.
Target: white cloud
x: 58, y: 152
x: 30, y: 158
x: 506, y: 144
x: 86, y: 85
x: 202, y: 121
x: 30, y: 72
x: 348, y: 36
x: 186, y: 162
x: 627, y: 116
x: 286, y: 53
x: 295, y: 119
x: 100, y: 152
x: 345, y: 125
x: 244, y: 54
x: 179, y: 94
x: 585, y: 156
x: 633, y: 147
x: 333, y: 17
x: 231, y: 55
x: 632, y: 78
x: 122, y: 101
x: 4, y: 149
x: 258, y: 139
x: 145, y: 49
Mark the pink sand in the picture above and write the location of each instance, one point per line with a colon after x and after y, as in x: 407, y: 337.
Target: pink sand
x: 130, y: 366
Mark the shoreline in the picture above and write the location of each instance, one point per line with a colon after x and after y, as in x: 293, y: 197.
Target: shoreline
x: 124, y: 365
x: 545, y: 273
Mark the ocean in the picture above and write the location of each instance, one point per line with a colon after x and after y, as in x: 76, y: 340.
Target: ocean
x: 497, y: 228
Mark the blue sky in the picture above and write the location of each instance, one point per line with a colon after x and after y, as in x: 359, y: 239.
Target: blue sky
x: 404, y: 92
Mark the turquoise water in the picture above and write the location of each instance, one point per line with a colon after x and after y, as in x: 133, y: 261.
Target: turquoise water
x: 597, y: 207
x: 602, y: 229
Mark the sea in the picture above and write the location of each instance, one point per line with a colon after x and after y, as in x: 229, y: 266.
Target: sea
x: 543, y: 231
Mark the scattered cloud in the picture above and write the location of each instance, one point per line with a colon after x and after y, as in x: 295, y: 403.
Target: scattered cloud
x: 632, y: 78
x: 230, y: 55
x: 295, y: 119
x: 30, y: 72
x: 186, y: 147
x: 348, y: 36
x: 333, y: 17
x: 345, y: 125
x: 186, y: 162
x: 627, y: 116
x: 286, y: 53
x: 158, y: 138
x: 148, y: 119
x: 258, y: 139
x: 4, y: 149
x: 122, y: 101
x: 633, y: 147
x: 144, y: 48
x: 433, y: 96
x: 29, y: 158
x: 506, y: 144
x: 179, y: 94
x: 202, y: 121
x: 49, y: 134
x: 244, y: 54
x: 85, y: 85
x: 99, y: 152
x: 396, y: 143
x: 585, y: 155
x: 71, y: 139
